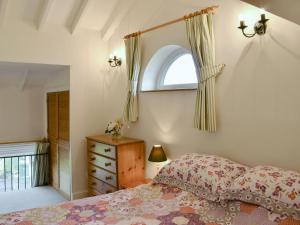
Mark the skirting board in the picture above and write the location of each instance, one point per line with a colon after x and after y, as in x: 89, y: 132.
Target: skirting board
x: 79, y: 195
x: 64, y: 194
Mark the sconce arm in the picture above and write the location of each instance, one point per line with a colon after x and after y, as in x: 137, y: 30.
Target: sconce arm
x: 248, y: 35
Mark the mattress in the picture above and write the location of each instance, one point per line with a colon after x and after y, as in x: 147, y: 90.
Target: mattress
x: 147, y: 204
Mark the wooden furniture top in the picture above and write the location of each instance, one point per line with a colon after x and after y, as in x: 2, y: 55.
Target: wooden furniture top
x: 107, y: 139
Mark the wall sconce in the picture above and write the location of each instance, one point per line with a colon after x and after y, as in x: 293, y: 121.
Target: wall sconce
x: 260, y: 27
x: 114, y: 62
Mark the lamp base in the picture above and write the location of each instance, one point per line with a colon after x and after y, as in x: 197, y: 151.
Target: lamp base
x: 158, y: 167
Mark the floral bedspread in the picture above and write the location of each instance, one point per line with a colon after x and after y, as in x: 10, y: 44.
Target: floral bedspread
x: 147, y: 204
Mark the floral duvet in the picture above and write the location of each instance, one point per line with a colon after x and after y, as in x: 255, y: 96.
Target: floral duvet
x: 147, y: 204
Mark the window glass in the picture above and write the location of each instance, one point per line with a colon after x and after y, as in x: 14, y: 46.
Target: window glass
x: 181, y: 71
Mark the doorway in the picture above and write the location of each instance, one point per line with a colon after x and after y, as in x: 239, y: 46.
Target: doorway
x: 24, y: 165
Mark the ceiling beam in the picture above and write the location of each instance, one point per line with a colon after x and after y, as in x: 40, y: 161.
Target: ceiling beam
x: 44, y: 13
x: 118, y: 14
x: 78, y: 16
x: 23, y: 81
x: 3, y: 11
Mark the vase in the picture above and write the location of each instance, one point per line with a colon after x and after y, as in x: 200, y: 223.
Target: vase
x: 116, y: 136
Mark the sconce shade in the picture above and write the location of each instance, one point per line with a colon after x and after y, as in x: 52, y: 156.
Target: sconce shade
x: 157, y: 154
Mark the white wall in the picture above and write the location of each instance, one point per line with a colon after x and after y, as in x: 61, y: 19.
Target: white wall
x: 21, y: 114
x: 84, y: 52
x: 257, y: 95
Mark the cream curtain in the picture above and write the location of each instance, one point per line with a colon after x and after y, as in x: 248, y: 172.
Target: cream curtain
x: 133, y: 60
x: 40, y: 167
x: 201, y: 38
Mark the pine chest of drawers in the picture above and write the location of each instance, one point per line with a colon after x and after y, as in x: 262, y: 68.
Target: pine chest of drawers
x: 113, y: 164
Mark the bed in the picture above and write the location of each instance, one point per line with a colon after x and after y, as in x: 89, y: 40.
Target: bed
x: 151, y: 204
x: 193, y: 190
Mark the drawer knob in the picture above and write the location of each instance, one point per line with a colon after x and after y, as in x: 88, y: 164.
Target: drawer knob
x: 108, y: 191
x: 93, y: 158
x: 108, y: 164
x: 93, y: 146
x: 108, y: 178
x: 94, y: 183
x: 107, y: 150
x: 93, y: 171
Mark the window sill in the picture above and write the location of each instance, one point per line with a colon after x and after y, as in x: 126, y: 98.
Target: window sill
x: 170, y: 90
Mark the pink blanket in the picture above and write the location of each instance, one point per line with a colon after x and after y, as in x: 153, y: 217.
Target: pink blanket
x: 147, y: 204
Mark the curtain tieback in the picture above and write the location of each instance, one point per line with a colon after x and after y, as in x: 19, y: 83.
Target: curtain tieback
x: 132, y: 84
x: 208, y: 72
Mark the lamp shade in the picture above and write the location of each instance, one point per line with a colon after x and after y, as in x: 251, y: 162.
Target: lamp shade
x: 157, y: 154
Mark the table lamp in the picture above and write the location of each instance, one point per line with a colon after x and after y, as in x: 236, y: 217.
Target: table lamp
x: 157, y: 154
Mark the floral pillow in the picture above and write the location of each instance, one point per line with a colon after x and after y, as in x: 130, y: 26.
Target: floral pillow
x: 207, y: 176
x: 273, y: 188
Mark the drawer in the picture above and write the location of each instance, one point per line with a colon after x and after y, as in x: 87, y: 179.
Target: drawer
x: 103, y: 175
x: 99, y: 186
x: 103, y: 162
x: 103, y: 149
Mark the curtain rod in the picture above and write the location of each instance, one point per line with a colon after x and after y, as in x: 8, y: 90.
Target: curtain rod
x: 197, y: 13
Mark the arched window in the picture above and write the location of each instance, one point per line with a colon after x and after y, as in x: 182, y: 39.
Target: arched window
x: 172, y: 67
x: 179, y: 73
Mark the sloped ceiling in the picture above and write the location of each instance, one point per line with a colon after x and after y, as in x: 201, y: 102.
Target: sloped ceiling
x: 288, y: 9
x: 103, y: 16
x: 26, y: 75
x: 71, y: 14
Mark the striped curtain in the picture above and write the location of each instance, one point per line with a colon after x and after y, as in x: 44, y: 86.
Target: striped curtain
x: 40, y: 167
x: 133, y: 61
x: 202, y: 42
